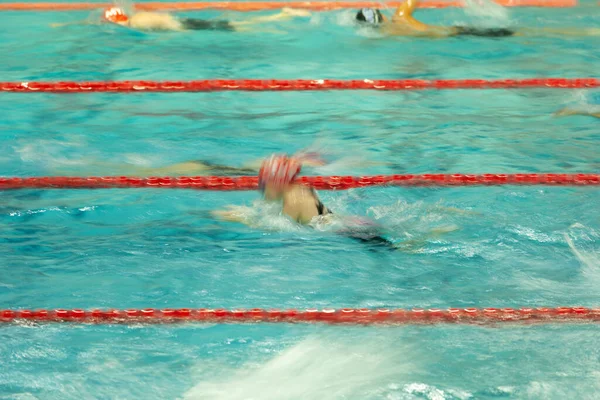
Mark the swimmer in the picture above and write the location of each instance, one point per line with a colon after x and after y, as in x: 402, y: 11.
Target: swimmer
x: 277, y: 181
x: 157, y: 21
x: 199, y: 167
x: 186, y: 168
x: 404, y: 24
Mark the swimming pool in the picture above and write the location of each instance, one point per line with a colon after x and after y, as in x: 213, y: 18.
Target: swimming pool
x: 479, y: 246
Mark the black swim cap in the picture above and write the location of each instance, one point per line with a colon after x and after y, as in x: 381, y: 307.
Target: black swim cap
x: 370, y: 16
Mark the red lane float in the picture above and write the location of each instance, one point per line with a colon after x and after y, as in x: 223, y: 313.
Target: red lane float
x: 318, y: 182
x: 261, y: 85
x: 328, y: 316
x: 271, y: 5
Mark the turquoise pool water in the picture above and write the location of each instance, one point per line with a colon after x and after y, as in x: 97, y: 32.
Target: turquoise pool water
x: 487, y: 246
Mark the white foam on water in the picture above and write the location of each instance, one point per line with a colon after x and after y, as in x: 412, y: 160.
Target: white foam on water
x: 487, y: 13
x: 44, y: 151
x: 321, y: 367
x: 126, y: 5
x: 589, y: 258
x: 345, y: 18
x: 558, y: 390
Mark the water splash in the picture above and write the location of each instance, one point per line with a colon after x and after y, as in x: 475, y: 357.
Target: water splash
x: 262, y: 215
x: 346, y: 18
x: 487, y: 13
x: 590, y: 259
x: 322, y: 367
x: 126, y: 5
x: 579, y: 102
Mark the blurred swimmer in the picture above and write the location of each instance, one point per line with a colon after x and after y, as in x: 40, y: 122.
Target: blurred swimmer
x: 195, y: 167
x: 199, y: 167
x: 158, y: 21
x: 403, y: 23
x: 571, y: 111
x: 277, y: 180
x: 189, y: 168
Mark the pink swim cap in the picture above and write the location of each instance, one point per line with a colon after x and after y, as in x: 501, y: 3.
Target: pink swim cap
x: 278, y: 170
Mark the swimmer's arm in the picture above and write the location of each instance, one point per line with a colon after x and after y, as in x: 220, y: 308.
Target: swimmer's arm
x: 63, y: 24
x: 241, y: 215
x: 403, y: 17
x: 255, y: 165
x: 570, y: 111
x: 418, y: 29
x: 285, y: 14
x: 234, y: 214
x: 406, y: 9
x: 227, y: 215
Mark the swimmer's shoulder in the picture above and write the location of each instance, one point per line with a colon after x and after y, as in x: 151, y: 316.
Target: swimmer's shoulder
x: 409, y: 26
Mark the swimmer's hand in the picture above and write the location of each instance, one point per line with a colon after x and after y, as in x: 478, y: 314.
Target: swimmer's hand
x: 417, y: 244
x: 63, y: 24
x: 292, y: 12
x: 284, y: 15
x: 310, y: 159
x: 565, y: 111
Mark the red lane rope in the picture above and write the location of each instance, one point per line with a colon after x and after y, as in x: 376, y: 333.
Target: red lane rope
x: 295, y: 85
x: 318, y: 182
x: 329, y: 316
x: 271, y: 5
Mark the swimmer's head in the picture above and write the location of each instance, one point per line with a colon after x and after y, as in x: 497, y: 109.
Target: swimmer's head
x: 370, y: 16
x: 276, y: 172
x: 116, y: 15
